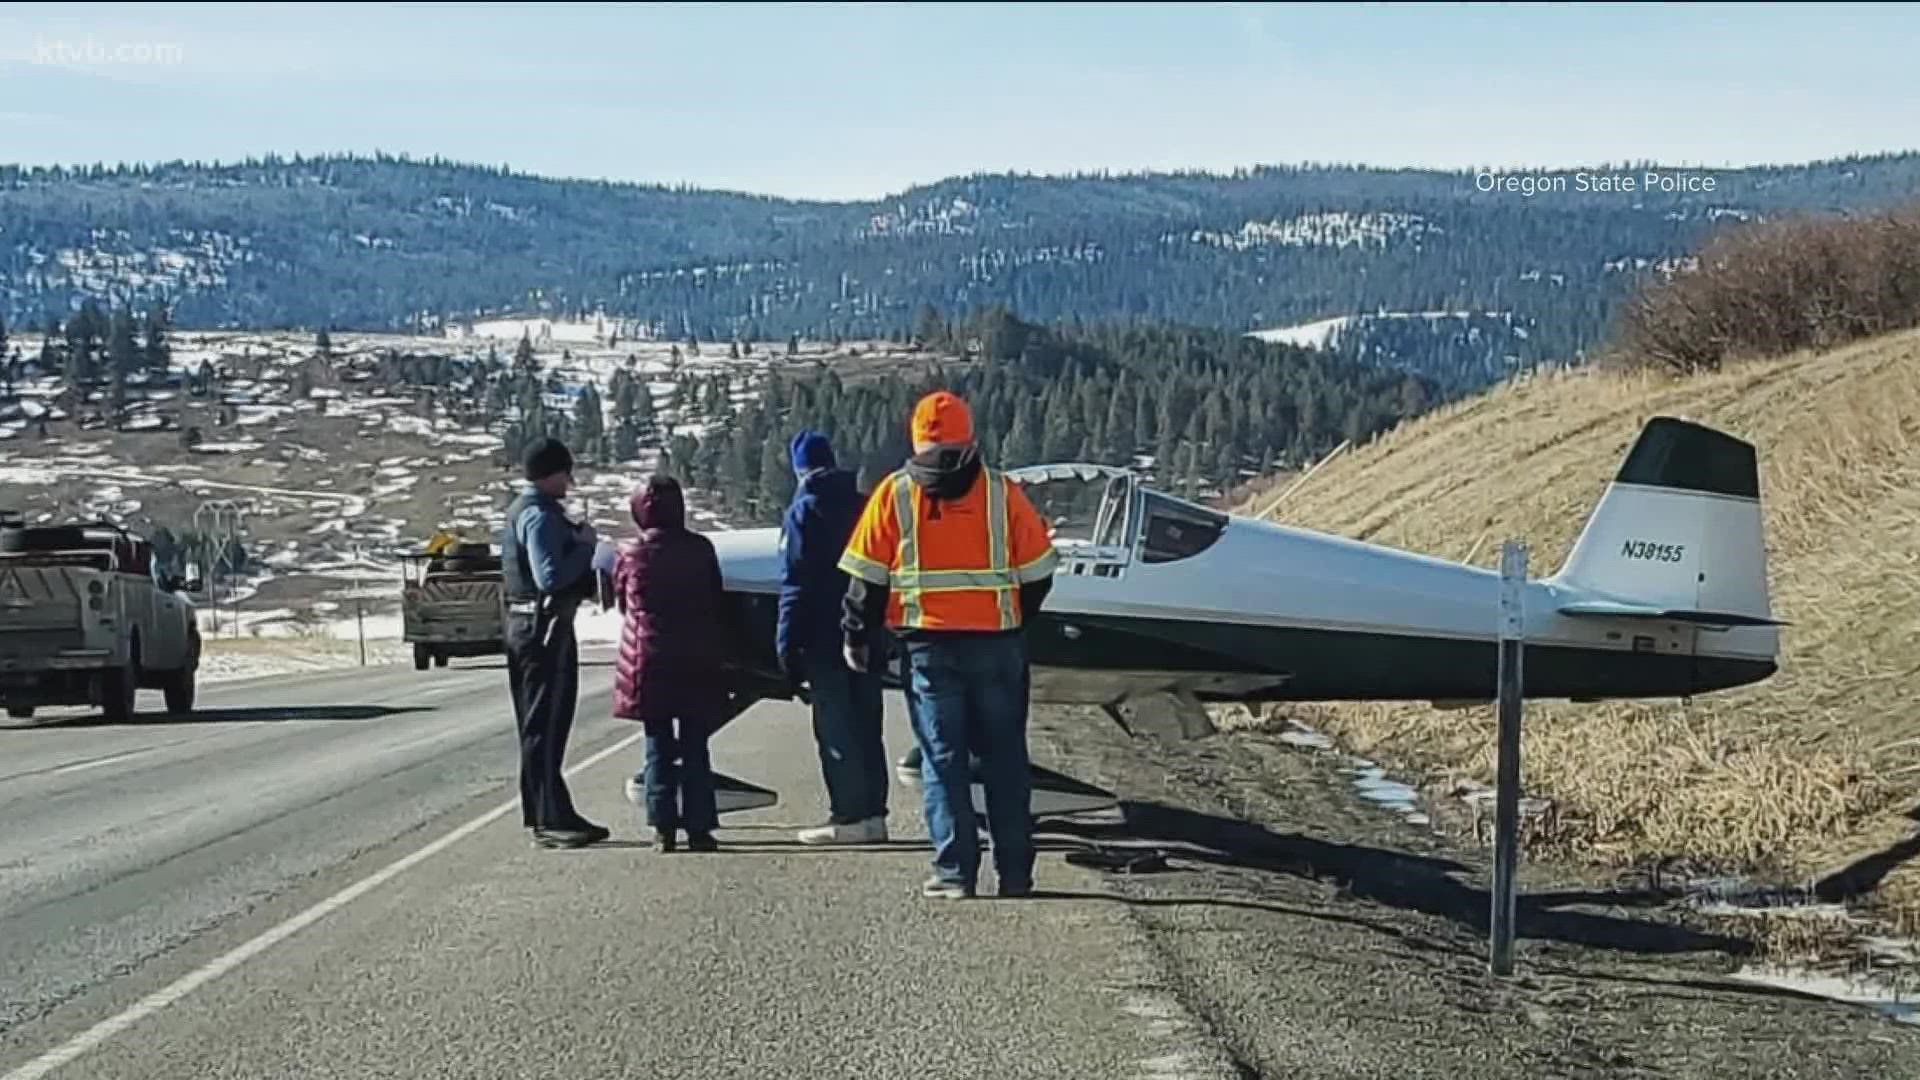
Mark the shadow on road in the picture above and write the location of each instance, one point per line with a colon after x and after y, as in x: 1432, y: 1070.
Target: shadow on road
x: 264, y: 714
x: 1395, y: 879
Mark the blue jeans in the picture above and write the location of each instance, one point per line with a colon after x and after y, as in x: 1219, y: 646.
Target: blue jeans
x: 679, y: 776
x: 847, y: 714
x: 970, y: 694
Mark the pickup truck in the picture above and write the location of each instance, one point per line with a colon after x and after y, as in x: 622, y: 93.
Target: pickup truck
x: 84, y: 620
x: 450, y: 604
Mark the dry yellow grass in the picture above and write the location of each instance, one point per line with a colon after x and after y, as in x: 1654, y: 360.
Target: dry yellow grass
x: 1791, y: 778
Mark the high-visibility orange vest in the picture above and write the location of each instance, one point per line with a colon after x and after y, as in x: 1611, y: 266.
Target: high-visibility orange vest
x: 959, y: 570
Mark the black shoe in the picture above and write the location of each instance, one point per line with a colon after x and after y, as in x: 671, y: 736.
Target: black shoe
x: 702, y: 842
x: 1015, y: 891
x: 664, y: 840
x: 570, y: 838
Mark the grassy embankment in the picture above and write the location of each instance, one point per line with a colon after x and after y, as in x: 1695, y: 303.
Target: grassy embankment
x: 1791, y: 780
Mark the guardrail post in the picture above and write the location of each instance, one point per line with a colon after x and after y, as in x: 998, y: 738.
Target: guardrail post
x: 1506, y: 842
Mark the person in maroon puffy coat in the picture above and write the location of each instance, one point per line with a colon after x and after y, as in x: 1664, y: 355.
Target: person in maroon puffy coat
x: 667, y: 584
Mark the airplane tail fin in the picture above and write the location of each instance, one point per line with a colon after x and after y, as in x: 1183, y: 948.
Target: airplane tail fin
x: 1677, y: 536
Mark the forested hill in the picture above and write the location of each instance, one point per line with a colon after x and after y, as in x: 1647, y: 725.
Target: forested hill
x: 1197, y: 411
x: 1504, y: 279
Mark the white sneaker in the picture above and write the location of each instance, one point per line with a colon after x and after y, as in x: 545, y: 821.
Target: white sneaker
x: 820, y: 835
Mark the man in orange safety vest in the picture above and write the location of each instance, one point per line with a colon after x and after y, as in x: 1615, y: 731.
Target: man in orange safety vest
x: 957, y: 561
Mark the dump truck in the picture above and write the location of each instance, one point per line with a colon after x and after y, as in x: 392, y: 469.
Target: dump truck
x: 87, y: 618
x: 452, y: 603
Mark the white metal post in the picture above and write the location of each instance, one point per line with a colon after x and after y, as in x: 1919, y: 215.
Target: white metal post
x: 1506, y: 843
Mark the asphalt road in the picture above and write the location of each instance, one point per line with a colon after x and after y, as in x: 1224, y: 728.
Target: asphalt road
x: 314, y: 877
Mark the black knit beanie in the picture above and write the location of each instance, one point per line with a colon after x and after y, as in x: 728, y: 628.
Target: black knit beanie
x: 547, y: 457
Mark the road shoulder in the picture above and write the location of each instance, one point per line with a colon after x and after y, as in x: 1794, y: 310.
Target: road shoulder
x: 1321, y: 935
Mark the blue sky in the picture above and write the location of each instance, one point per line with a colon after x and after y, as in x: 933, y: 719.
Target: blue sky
x: 859, y: 101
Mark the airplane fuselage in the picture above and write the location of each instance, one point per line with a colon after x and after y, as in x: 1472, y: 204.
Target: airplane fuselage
x: 1230, y: 608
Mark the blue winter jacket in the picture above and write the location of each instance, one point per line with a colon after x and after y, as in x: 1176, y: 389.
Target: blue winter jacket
x: 825, y: 508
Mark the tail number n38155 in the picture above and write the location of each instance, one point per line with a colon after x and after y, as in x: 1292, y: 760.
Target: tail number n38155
x: 1652, y: 552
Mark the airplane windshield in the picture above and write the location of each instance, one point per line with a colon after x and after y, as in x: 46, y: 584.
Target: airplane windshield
x: 1177, y: 530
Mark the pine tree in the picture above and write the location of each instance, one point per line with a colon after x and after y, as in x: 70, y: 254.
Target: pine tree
x: 83, y: 339
x: 776, y: 480
x: 323, y: 345
x: 1226, y: 467
x: 1060, y: 431
x: 123, y: 351
x: 1022, y: 445
x: 4, y: 356
x: 156, y: 350
x: 928, y: 327
x: 523, y: 359
x: 117, y: 397
x: 626, y: 440
x: 793, y: 344
x: 50, y: 358
x: 1115, y: 446
x: 733, y: 350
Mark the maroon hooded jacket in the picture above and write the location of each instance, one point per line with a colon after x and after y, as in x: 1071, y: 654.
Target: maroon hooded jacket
x: 668, y: 587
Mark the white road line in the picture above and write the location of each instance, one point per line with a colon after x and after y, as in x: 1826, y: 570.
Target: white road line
x: 97, y: 763
x: 160, y: 999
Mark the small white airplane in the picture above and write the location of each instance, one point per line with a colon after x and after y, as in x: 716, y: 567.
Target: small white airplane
x: 1167, y: 605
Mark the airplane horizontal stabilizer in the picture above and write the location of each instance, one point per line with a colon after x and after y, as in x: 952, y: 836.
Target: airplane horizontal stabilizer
x: 1615, y: 609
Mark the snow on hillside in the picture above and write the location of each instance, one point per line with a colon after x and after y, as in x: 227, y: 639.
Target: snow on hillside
x: 338, y: 467
x: 1329, y: 333
x: 110, y: 262
x: 1336, y: 230
x: 1319, y: 334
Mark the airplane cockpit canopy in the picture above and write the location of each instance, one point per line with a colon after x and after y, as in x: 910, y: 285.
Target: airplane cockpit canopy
x: 1107, y: 516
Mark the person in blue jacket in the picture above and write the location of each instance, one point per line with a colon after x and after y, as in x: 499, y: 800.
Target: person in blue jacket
x: 846, y: 703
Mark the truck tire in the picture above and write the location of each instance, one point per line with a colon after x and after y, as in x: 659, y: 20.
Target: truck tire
x: 121, y: 687
x: 421, y: 658
x: 439, y: 659
x: 181, y: 687
x: 20, y: 712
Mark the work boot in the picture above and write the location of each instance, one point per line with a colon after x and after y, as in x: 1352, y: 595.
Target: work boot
x: 702, y: 842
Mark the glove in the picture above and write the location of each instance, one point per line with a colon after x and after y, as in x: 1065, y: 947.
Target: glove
x: 856, y: 656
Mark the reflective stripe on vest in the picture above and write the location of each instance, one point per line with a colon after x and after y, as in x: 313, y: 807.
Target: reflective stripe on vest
x: 910, y: 582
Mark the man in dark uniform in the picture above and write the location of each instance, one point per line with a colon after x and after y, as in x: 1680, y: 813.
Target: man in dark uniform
x: 547, y: 565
